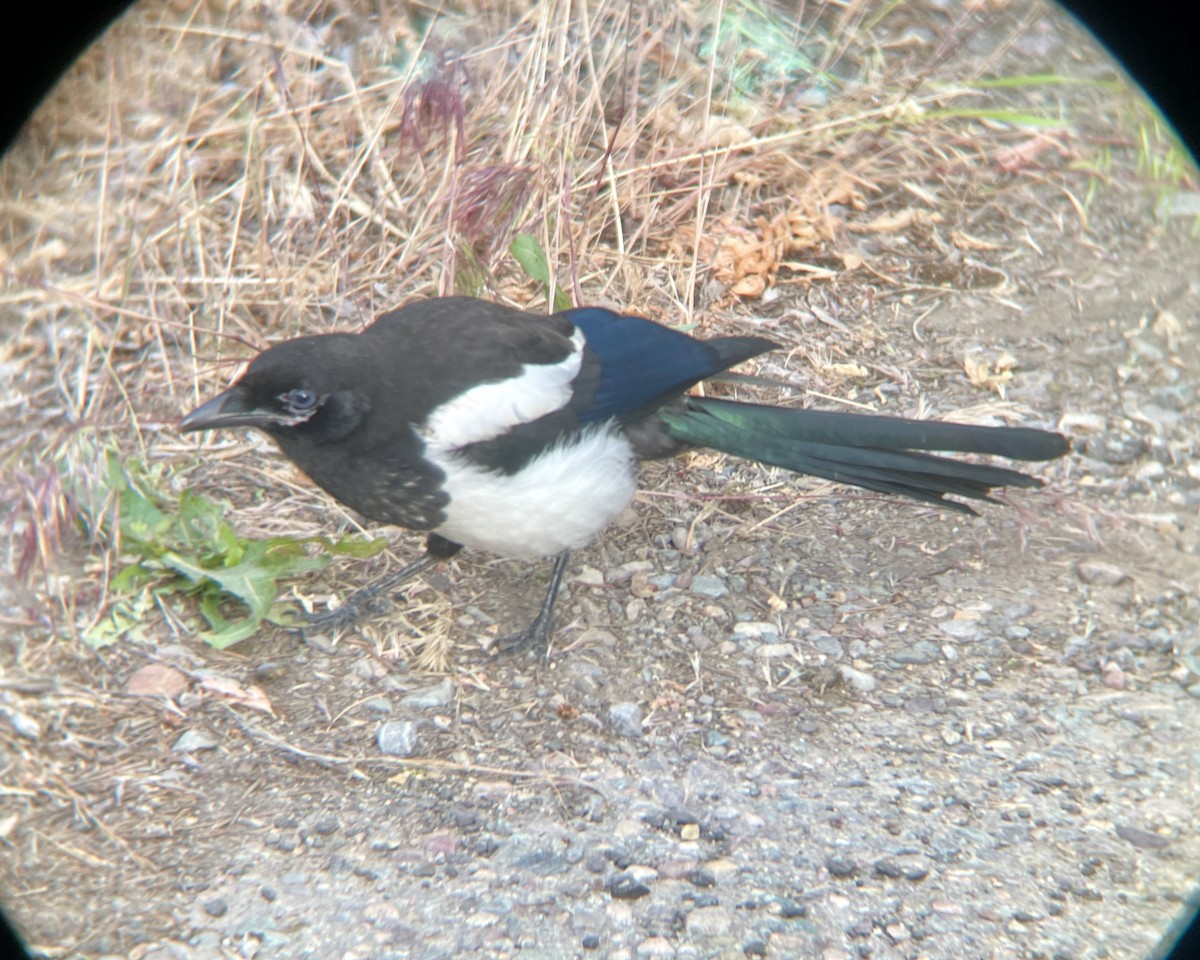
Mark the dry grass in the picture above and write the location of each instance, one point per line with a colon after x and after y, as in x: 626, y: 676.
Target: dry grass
x: 214, y: 177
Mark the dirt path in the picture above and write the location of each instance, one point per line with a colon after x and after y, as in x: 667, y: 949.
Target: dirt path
x: 824, y: 725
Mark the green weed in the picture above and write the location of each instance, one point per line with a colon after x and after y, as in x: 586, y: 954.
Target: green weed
x: 532, y: 258
x: 182, y: 548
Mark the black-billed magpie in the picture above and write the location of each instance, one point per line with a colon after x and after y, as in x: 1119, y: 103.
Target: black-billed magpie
x: 520, y: 433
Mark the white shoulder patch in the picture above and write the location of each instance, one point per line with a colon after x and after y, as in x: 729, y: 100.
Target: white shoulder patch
x: 492, y: 409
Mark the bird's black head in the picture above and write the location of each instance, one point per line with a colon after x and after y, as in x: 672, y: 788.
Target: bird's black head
x: 301, y: 390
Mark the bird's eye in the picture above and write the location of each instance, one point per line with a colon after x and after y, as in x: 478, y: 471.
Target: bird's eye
x: 300, y: 400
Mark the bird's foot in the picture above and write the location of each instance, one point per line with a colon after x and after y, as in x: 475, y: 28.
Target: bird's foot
x: 537, y: 635
x: 359, y: 606
x: 367, y: 602
x: 534, y: 637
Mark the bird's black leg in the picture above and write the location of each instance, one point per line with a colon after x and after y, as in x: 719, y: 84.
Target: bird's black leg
x: 367, y: 599
x: 537, y: 634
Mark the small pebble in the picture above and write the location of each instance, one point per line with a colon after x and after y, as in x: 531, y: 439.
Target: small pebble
x: 773, y: 651
x: 625, y: 572
x: 397, y: 738
x: 858, y: 680
x: 709, y: 922
x: 193, y: 741
x: 910, y: 866
x: 841, y: 867
x: 625, y: 719
x: 1152, y: 470
x: 755, y: 628
x: 964, y: 631
x: 1073, y: 422
x: 1114, y: 676
x: 24, y: 725
x: 704, y: 879
x: 830, y: 646
x: 709, y: 586
x: 897, y: 932
x: 588, y: 577
x: 429, y: 697
x: 1100, y: 573
x: 921, y: 652
x: 625, y: 887
x: 652, y: 948
x: 1142, y: 839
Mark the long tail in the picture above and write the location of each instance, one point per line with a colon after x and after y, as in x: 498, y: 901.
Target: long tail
x: 877, y: 453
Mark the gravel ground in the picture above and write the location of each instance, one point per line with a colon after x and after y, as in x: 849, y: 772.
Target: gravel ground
x: 780, y: 722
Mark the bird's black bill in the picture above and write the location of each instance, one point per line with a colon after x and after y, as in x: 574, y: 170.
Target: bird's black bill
x: 228, y: 409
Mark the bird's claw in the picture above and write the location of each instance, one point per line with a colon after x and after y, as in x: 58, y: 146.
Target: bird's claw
x: 339, y: 618
x: 534, y: 637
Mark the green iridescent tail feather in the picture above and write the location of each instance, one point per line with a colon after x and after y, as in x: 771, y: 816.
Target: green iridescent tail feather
x: 884, y: 454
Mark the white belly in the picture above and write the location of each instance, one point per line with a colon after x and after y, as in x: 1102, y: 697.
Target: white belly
x: 557, y: 502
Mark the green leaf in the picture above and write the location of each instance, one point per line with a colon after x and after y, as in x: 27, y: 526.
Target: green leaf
x: 1042, y: 80
x: 225, y: 633
x: 202, y: 525
x: 285, y: 557
x: 249, y: 583
x: 1013, y: 117
x: 356, y: 547
x: 179, y: 548
x: 141, y: 521
x: 532, y: 258
x: 134, y: 576
x: 124, y: 619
